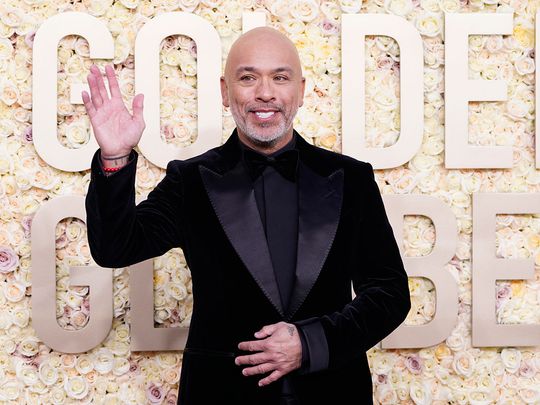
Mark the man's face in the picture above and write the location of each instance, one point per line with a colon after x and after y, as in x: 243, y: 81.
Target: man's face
x: 263, y: 86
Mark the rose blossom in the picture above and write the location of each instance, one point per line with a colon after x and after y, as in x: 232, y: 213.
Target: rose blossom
x: 414, y: 364
x: 155, y: 394
x: 8, y: 260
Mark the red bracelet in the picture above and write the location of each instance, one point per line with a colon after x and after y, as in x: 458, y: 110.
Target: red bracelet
x: 112, y: 169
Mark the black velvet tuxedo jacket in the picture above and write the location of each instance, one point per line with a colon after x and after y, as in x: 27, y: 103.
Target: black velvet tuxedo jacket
x: 206, y: 206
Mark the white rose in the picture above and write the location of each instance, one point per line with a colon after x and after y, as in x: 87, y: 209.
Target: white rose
x: 76, y: 387
x: 517, y: 108
x: 6, y: 49
x: 511, y: 359
x: 455, y: 342
x: 84, y: 364
x: 385, y: 394
x: 121, y: 333
x: 103, y: 361
x: 429, y: 24
x: 57, y: 396
x: 6, y: 320
x: 122, y: 47
x: 176, y: 291
x: 304, y: 10
x: 121, y: 366
x: 398, y: 7
x: 450, y: 6
x: 48, y: 374
x: 77, y: 134
x: 131, y: 4
x: 75, y: 66
x: 10, y: 391
x: 529, y: 395
x: 188, y: 65
x: 161, y: 315
x: 20, y: 317
x: 14, y: 291
x: 350, y: 6
x: 188, y: 5
x: 26, y: 373
x: 463, y: 363
x: 9, y: 93
x: 82, y: 47
x: 524, y: 65
x: 420, y: 393
x: 383, y: 362
x: 29, y: 346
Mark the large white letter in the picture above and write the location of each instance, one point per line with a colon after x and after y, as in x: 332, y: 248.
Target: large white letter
x: 430, y: 266
x: 208, y: 74
x: 459, y: 90
x: 487, y: 269
x: 354, y: 29
x: 537, y: 94
x: 44, y: 82
x: 43, y: 299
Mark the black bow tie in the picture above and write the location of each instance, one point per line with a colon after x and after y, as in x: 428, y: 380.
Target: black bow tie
x: 285, y: 163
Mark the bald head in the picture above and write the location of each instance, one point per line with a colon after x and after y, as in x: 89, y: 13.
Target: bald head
x: 264, y: 87
x: 258, y: 40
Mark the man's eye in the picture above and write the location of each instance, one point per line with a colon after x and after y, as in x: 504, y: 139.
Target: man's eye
x: 280, y: 78
x: 246, y: 78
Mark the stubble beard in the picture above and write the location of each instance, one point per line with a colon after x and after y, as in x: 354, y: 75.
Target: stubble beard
x: 266, y: 141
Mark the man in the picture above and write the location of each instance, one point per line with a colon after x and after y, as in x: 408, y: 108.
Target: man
x: 274, y: 230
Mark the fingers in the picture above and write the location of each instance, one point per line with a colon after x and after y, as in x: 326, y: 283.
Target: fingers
x: 274, y: 376
x: 252, y: 346
x: 137, y: 108
x: 252, y: 359
x: 90, y: 109
x: 97, y: 101
x: 259, y: 369
x: 100, y: 83
x: 114, y: 88
x: 266, y: 331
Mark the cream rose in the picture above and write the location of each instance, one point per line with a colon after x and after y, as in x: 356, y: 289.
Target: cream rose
x: 103, y: 361
x: 429, y: 24
x: 76, y: 387
x: 14, y: 291
x: 511, y: 359
x: 48, y: 374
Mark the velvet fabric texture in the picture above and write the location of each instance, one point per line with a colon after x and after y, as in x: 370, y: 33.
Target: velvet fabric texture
x: 206, y: 206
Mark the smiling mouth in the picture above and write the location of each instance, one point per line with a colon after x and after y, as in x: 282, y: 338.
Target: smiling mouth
x: 264, y: 115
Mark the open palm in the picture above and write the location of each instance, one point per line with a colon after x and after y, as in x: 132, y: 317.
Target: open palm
x: 116, y: 130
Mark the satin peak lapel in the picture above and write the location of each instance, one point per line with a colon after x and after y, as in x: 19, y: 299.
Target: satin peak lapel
x: 319, y: 201
x: 233, y: 199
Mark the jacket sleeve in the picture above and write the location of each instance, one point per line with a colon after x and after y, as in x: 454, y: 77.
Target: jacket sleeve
x: 121, y: 233
x: 382, y: 293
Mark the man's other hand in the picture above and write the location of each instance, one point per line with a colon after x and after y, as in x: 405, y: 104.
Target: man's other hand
x: 279, y: 351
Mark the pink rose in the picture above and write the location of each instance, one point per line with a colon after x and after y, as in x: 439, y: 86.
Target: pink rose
x: 8, y: 260
x: 155, y: 394
x: 26, y: 223
x: 171, y: 398
x: 413, y: 364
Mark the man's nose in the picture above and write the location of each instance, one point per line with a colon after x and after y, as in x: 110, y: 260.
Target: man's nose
x: 265, y: 90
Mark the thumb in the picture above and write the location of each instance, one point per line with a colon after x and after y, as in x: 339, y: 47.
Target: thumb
x: 138, y: 102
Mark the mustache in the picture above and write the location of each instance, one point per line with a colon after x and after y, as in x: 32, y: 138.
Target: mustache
x: 273, y: 107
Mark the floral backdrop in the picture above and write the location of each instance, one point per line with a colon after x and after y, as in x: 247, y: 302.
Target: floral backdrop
x: 452, y: 372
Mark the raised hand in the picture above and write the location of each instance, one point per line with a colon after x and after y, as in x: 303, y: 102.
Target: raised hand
x: 115, y: 129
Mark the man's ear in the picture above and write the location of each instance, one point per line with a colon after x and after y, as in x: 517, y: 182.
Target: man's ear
x: 302, y: 90
x: 224, y: 91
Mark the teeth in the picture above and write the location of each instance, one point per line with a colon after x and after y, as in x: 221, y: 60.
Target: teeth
x: 264, y: 114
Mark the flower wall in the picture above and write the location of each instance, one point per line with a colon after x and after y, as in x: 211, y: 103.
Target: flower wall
x: 450, y: 372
